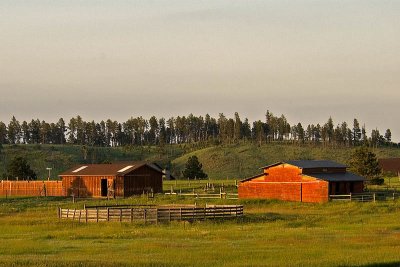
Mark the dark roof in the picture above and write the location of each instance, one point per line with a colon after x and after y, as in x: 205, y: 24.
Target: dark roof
x: 390, y: 164
x: 253, y: 177
x: 113, y: 169
x: 338, y: 177
x: 310, y: 164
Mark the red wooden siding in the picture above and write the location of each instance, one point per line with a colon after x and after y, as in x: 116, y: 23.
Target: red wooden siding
x: 306, y: 191
x: 85, y: 186
x: 31, y: 188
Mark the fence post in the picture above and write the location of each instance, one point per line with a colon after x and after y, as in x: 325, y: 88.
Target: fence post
x: 131, y: 214
x: 374, y: 197
x: 108, y: 214
x: 86, y: 215
x: 350, y: 196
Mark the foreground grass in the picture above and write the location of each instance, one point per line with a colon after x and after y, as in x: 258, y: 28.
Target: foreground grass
x: 272, y: 233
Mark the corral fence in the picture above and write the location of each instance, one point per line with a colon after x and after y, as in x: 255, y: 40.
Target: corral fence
x: 150, y: 213
x: 366, y: 197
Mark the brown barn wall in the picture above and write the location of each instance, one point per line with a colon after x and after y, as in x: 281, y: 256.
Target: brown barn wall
x: 85, y: 186
x: 142, y: 179
x: 31, y: 188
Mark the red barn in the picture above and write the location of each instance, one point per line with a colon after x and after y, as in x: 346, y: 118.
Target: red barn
x: 116, y: 180
x: 301, y: 180
x: 390, y: 166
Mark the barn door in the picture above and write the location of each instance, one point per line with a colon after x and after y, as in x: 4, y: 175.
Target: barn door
x: 104, y: 187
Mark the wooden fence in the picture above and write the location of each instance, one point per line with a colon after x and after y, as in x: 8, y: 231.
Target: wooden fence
x: 151, y: 214
x: 366, y: 197
x: 221, y: 194
x: 31, y: 188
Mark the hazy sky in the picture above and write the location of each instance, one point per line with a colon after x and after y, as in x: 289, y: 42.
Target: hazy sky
x: 115, y: 59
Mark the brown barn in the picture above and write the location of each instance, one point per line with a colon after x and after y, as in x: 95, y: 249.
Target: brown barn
x: 390, y: 166
x: 301, y: 180
x: 116, y: 180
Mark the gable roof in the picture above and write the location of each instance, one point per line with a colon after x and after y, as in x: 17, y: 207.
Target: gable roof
x: 253, y: 177
x: 338, y: 177
x: 113, y: 169
x: 309, y: 164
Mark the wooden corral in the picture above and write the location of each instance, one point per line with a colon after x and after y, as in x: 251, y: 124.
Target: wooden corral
x: 151, y: 214
x: 304, y: 181
x: 112, y: 180
x: 31, y: 188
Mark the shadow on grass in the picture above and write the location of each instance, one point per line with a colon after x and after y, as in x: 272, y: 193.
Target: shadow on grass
x: 13, y: 205
x: 385, y: 264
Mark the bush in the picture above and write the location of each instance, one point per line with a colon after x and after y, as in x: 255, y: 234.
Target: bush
x: 377, y: 181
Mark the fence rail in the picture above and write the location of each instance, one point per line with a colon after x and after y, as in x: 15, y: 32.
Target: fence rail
x: 150, y: 214
x: 366, y: 197
x: 222, y: 195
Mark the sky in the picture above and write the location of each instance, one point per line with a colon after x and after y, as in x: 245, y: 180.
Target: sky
x: 308, y: 60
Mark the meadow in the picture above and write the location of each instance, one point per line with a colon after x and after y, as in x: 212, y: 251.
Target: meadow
x: 271, y: 233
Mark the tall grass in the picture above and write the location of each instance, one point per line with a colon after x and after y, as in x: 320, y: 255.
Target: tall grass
x: 272, y: 233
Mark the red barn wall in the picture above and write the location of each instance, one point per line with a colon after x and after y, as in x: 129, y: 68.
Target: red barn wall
x: 315, y: 191
x: 85, y: 186
x: 283, y: 173
x: 265, y: 190
x: 285, y: 182
x: 31, y: 188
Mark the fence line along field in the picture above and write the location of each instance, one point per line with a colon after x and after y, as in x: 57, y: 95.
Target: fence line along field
x: 270, y: 233
x: 151, y: 213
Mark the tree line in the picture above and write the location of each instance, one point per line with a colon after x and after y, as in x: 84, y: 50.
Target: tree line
x: 189, y: 129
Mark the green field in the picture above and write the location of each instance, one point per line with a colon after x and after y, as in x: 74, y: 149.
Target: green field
x: 272, y: 233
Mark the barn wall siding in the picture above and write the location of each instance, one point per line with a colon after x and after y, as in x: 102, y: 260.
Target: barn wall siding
x: 144, y: 179
x: 31, y: 188
x: 313, y: 192
x: 283, y: 173
x: 85, y: 186
x: 287, y: 191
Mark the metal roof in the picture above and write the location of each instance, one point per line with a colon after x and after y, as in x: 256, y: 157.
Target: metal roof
x: 310, y: 164
x: 253, y: 177
x: 113, y: 169
x: 338, y: 177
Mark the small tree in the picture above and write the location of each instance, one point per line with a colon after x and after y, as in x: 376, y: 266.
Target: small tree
x: 194, y: 169
x: 364, y: 162
x: 20, y: 168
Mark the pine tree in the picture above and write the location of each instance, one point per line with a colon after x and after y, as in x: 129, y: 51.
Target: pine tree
x: 364, y: 162
x: 19, y: 168
x: 194, y: 169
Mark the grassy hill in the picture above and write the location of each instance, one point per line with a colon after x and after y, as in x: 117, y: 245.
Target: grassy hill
x: 244, y: 160
x: 219, y: 162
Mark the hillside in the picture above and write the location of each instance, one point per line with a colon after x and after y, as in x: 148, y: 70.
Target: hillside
x: 240, y: 161
x: 219, y: 162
